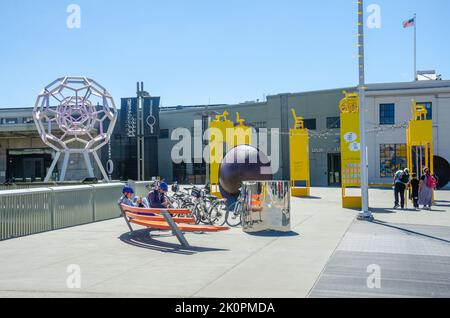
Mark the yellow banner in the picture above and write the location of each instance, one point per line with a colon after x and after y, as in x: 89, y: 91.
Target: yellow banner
x: 299, y: 148
x: 350, y: 141
x: 225, y: 135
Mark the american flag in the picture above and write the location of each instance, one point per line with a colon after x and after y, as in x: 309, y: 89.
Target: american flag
x: 409, y: 23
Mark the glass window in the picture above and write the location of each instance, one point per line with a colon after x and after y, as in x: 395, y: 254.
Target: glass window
x: 180, y: 172
x: 164, y: 134
x: 28, y: 120
x: 258, y: 125
x: 392, y: 159
x: 333, y: 122
x: 199, y: 168
x: 310, y: 124
x: 387, y: 114
x: 10, y: 121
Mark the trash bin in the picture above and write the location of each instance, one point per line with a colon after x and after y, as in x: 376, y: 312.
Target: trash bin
x: 266, y: 206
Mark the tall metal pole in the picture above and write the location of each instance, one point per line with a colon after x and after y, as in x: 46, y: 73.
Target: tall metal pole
x: 140, y: 133
x: 415, y: 47
x: 365, y: 212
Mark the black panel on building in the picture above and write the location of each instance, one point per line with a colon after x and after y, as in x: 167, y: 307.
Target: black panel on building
x: 124, y: 140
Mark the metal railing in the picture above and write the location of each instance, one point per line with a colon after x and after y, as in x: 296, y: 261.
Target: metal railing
x: 31, y: 211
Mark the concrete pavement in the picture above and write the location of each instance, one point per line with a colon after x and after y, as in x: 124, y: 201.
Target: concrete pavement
x: 229, y: 264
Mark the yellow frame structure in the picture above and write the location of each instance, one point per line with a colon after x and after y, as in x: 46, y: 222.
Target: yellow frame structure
x: 224, y: 135
x: 419, y: 140
x: 299, y: 157
x: 351, y: 149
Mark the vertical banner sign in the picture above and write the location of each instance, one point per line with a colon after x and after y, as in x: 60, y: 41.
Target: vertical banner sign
x: 151, y: 116
x: 128, y: 115
x: 351, y: 149
x: 299, y: 158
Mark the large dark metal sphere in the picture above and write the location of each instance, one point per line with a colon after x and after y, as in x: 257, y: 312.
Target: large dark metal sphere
x: 442, y: 170
x: 242, y: 163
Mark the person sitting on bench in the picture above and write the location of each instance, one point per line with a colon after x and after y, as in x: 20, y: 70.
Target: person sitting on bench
x: 128, y: 194
x: 157, y: 198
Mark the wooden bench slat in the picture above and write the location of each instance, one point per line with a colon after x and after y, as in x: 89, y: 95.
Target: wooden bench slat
x: 182, y: 227
x: 145, y: 211
x: 159, y: 218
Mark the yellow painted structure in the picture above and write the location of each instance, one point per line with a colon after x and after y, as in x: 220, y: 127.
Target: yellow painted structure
x: 419, y: 140
x: 225, y: 135
x: 351, y: 149
x: 299, y: 155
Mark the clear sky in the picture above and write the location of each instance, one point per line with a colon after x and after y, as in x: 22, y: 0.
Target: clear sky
x: 213, y: 51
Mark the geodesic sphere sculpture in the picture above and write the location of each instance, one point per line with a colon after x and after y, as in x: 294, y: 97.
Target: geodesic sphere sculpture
x: 75, y: 114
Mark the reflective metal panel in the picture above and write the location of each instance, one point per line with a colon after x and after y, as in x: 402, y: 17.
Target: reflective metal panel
x: 105, y: 207
x: 266, y: 206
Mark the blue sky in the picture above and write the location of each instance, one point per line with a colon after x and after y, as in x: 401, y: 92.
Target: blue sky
x: 213, y: 51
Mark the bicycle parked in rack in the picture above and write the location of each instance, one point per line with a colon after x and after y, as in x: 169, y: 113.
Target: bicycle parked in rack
x: 206, y: 208
x: 222, y: 212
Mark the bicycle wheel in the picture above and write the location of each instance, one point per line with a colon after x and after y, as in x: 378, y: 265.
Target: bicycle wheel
x: 234, y: 217
x: 201, y: 214
x: 218, y: 213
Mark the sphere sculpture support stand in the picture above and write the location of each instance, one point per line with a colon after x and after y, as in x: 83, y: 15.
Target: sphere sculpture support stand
x: 65, y: 165
x: 75, y: 115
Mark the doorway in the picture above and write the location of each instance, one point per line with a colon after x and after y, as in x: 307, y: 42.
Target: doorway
x: 334, y: 169
x: 28, y: 165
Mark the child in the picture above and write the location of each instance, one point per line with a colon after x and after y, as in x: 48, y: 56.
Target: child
x: 415, y: 190
x: 127, y: 198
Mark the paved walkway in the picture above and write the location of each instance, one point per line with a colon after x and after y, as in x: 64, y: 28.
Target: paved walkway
x: 230, y: 264
x: 410, y: 250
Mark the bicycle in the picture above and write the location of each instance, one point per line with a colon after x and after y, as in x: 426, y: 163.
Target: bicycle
x: 231, y: 214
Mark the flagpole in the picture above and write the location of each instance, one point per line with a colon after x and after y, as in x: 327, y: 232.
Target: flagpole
x: 415, y: 47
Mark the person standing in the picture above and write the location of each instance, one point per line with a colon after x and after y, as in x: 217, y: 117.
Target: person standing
x: 415, y: 190
x: 426, y: 189
x: 401, y: 181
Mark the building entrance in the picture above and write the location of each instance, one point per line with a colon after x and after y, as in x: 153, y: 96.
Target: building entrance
x: 334, y: 169
x: 28, y: 165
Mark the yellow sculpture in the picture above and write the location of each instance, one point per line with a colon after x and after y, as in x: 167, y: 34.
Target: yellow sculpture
x: 350, y: 103
x: 224, y: 135
x: 419, y: 112
x: 419, y: 140
x: 299, y: 122
x: 222, y: 117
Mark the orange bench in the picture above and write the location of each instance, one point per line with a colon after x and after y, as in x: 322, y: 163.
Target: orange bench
x: 164, y: 220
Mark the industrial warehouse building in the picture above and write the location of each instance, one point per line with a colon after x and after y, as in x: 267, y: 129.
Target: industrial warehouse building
x: 389, y: 110
x: 24, y: 158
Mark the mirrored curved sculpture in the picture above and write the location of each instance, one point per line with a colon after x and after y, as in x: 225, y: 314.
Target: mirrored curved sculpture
x: 75, y: 115
x: 266, y: 206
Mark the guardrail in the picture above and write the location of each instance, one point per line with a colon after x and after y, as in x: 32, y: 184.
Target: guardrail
x: 31, y: 211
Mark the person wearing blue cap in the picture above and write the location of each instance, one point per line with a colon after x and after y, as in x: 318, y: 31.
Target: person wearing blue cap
x: 157, y: 198
x: 127, y: 197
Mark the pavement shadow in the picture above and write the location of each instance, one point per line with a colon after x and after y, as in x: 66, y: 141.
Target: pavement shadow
x: 442, y: 203
x: 144, y: 239
x: 383, y: 211
x: 410, y: 231
x: 309, y: 198
x: 274, y: 234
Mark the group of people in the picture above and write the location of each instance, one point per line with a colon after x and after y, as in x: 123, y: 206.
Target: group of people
x: 421, y: 189
x: 156, y: 198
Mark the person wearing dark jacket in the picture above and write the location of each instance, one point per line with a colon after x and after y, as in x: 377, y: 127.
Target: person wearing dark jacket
x: 415, y: 190
x: 401, y: 181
